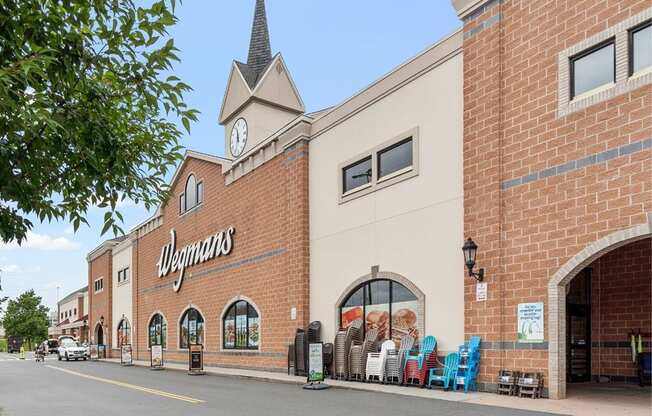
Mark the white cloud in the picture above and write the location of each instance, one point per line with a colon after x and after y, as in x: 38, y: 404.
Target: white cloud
x: 11, y: 268
x: 43, y: 242
x: 70, y: 230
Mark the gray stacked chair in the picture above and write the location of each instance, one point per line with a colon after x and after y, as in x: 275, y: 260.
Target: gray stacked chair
x: 314, y: 332
x: 358, y: 355
x: 300, y: 353
x: 339, y: 362
x: 396, y: 360
x: 352, y: 336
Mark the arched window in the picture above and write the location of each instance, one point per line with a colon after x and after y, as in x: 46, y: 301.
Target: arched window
x: 123, y: 332
x: 192, y: 195
x: 158, y: 331
x: 241, y: 328
x: 383, y: 304
x: 192, y: 328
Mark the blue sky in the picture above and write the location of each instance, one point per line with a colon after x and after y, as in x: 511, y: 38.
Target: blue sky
x: 332, y: 48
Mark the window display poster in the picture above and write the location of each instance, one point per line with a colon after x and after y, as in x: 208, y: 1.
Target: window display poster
x: 229, y: 333
x: 315, y: 363
x: 254, y: 335
x: 530, y: 322
x: 405, y: 320
x: 157, y: 356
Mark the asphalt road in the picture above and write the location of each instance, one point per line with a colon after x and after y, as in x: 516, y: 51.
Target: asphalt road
x: 81, y: 388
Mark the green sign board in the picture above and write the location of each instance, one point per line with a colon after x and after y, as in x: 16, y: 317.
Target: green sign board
x: 315, y: 363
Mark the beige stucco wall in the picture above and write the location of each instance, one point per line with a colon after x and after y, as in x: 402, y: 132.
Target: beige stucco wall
x: 413, y: 228
x: 122, y: 300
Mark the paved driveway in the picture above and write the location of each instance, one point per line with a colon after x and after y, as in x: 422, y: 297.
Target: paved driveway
x: 82, y: 388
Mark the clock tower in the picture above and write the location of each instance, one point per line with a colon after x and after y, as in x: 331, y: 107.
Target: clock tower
x: 260, y: 96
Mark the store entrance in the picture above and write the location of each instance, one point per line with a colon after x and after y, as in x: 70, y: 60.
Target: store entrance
x: 578, y: 325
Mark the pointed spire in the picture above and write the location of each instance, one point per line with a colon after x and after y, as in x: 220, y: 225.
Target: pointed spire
x: 260, y: 50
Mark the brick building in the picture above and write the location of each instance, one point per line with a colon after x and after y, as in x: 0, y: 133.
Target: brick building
x: 538, y: 116
x: 558, y: 181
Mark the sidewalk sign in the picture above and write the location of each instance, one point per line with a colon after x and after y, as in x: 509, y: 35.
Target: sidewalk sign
x: 126, y: 357
x: 196, y: 360
x: 156, y: 357
x: 94, y: 355
x: 315, y: 367
x: 101, y: 351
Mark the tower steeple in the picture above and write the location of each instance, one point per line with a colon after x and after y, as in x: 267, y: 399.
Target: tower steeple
x: 260, y: 50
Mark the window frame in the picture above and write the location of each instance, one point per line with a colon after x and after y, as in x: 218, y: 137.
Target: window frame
x: 164, y: 331
x: 235, y: 347
x: 123, y: 275
x: 98, y: 285
x: 180, y: 323
x: 364, y: 185
x: 630, y: 46
x: 586, y: 52
x: 378, y: 183
x: 365, y: 287
x: 398, y: 171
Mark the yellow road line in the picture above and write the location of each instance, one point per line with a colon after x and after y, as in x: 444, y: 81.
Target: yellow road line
x: 131, y: 386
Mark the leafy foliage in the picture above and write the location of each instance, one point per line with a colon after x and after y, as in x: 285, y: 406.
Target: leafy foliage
x: 26, y: 317
x: 84, y: 106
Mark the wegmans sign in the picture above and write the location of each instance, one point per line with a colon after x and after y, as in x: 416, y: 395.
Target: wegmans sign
x: 173, y: 259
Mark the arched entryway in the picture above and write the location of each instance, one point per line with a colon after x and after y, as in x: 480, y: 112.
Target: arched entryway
x: 583, y: 266
x: 99, y: 334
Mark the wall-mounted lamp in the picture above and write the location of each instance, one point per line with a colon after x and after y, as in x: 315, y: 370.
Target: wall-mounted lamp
x: 470, y: 249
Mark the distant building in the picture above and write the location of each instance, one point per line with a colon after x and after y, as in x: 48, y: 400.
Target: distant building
x: 71, y: 316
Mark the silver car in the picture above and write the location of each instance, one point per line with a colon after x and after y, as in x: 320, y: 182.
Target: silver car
x: 71, y: 350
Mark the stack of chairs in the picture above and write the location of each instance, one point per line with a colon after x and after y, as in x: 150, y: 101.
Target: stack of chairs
x: 417, y: 366
x: 327, y: 355
x: 375, y: 368
x: 300, y: 353
x: 446, y: 374
x: 467, y: 370
x: 314, y: 332
x: 395, y: 361
x: 530, y: 385
x: 343, y: 342
x: 358, y: 355
x: 508, y: 382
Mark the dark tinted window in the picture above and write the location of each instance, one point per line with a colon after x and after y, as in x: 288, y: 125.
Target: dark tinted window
x: 357, y: 174
x: 593, y: 68
x: 641, y: 48
x: 395, y: 157
x: 241, y: 327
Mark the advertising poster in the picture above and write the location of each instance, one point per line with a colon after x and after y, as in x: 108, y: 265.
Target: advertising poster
x: 377, y: 316
x: 126, y: 357
x: 254, y: 332
x: 229, y: 333
x: 530, y: 322
x: 196, y: 358
x: 93, y: 352
x: 404, y: 320
x: 157, y: 356
x: 315, y: 363
x: 350, y: 314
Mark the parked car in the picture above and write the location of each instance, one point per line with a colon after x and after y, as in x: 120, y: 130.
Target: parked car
x: 69, y: 349
x: 53, y: 346
x: 14, y: 344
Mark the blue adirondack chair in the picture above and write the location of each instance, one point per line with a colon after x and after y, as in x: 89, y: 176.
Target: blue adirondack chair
x: 445, y: 374
x: 469, y: 364
x: 427, y: 346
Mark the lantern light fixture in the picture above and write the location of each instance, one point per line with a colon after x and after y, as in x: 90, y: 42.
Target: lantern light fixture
x: 470, y: 249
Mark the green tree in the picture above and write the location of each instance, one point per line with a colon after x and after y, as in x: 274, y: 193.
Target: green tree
x: 86, y: 98
x: 26, y: 317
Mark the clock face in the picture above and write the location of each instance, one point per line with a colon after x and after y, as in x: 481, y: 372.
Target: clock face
x: 238, y: 137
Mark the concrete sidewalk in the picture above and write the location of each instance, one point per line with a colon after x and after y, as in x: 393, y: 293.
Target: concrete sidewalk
x: 579, y: 403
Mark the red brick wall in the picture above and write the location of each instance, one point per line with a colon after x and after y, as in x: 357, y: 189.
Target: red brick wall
x: 511, y: 128
x: 621, y: 301
x: 100, y: 303
x: 269, y: 263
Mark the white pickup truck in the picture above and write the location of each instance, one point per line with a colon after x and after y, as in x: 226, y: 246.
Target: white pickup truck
x: 69, y: 349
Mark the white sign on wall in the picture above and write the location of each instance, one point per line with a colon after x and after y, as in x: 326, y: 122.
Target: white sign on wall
x: 481, y: 292
x: 172, y: 260
x: 530, y: 322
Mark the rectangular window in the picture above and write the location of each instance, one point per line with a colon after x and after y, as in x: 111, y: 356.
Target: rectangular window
x: 593, y: 68
x: 200, y: 192
x: 395, y: 158
x: 182, y: 204
x: 99, y: 284
x: 123, y: 275
x: 640, y: 47
x: 356, y: 174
